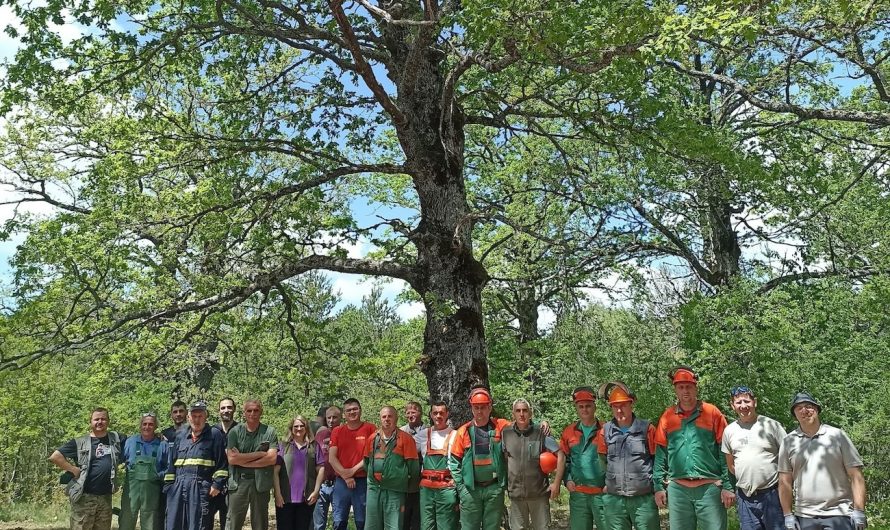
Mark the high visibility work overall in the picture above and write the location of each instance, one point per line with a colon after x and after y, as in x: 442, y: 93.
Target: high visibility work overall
x: 142, y: 493
x: 480, y: 478
x: 584, y: 468
x: 197, y: 463
x: 438, y: 497
x: 391, y: 464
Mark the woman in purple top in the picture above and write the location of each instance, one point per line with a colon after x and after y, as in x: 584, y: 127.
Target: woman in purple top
x: 298, y: 477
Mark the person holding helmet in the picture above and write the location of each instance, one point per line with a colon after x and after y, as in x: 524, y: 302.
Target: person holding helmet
x: 820, y: 473
x: 578, y: 461
x: 691, y: 476
x: 477, y: 465
x: 524, y: 444
x: 628, y: 443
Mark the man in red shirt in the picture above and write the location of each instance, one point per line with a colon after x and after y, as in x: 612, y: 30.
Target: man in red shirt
x: 346, y: 457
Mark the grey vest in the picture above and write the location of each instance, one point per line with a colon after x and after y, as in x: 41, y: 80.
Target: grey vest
x: 629, y: 463
x: 523, y: 451
x: 74, y: 489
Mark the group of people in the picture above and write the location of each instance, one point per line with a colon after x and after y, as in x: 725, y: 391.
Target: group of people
x: 437, y: 477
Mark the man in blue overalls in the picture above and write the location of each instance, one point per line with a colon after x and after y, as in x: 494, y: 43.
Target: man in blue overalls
x: 197, y: 472
x: 146, y: 458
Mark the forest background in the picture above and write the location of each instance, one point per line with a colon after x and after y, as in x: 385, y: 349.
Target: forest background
x: 532, y: 195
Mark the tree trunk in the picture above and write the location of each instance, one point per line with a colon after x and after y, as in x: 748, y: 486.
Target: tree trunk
x: 722, y: 251
x: 450, y: 279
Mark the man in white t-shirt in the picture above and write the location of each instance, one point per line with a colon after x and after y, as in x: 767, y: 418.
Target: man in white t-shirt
x: 820, y: 473
x: 751, y: 444
x: 438, y: 496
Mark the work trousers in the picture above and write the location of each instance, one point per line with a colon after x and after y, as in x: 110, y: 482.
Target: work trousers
x: 188, y: 504
x: 834, y: 522
x: 623, y: 513
x: 320, y: 512
x: 344, y: 498
x: 439, y: 509
x: 585, y: 510
x: 699, y: 507
x: 412, y: 511
x: 294, y: 516
x: 142, y: 499
x: 530, y: 514
x: 220, y: 505
x: 385, y: 509
x: 91, y: 512
x: 247, y: 496
x: 481, y: 508
x: 761, y: 511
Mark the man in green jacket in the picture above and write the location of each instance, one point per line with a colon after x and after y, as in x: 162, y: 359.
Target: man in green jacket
x: 252, y: 450
x: 691, y: 477
x: 477, y: 465
x: 392, y: 464
x: 581, y: 465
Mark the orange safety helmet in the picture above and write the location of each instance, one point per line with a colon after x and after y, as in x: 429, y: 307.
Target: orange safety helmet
x: 620, y: 395
x: 480, y: 396
x: 547, y: 462
x: 583, y: 393
x: 683, y: 374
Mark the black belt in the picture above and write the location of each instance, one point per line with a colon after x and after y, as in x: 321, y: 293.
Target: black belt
x: 759, y: 492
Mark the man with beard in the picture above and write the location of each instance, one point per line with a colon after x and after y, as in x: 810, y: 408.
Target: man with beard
x: 220, y: 503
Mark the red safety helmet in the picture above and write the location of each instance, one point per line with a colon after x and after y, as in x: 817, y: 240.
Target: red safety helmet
x: 547, y: 462
x: 480, y: 396
x: 683, y: 374
x: 583, y: 393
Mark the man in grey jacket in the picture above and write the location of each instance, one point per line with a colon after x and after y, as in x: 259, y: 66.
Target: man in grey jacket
x: 527, y: 485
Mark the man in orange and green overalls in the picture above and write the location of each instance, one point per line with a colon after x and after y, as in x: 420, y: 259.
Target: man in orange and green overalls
x: 391, y: 463
x: 581, y: 466
x: 691, y: 477
x: 438, y: 496
x: 477, y: 465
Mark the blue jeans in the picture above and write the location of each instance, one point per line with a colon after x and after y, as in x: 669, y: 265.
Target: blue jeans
x: 320, y: 515
x: 344, y: 497
x: 761, y: 511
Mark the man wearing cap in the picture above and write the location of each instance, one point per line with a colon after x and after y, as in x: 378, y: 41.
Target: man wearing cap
x: 196, y: 472
x: 391, y: 464
x: 820, y: 473
x: 691, y: 477
x: 252, y: 450
x: 751, y: 445
x: 414, y: 427
x: 91, y: 479
x: 580, y: 465
x: 146, y: 458
x: 527, y: 484
x: 347, y: 458
x: 438, y: 497
x: 628, y: 443
x: 332, y: 417
x: 477, y: 465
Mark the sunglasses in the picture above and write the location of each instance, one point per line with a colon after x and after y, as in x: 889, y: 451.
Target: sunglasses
x: 149, y: 415
x: 736, y: 390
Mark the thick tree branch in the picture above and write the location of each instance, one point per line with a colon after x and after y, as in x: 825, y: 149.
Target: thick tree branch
x: 362, y: 66
x: 874, y: 118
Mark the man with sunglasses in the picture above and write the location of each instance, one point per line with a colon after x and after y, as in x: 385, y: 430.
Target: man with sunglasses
x: 691, y: 477
x: 751, y: 445
x: 820, y: 473
x: 146, y: 462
